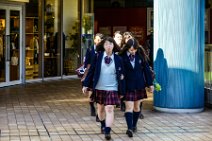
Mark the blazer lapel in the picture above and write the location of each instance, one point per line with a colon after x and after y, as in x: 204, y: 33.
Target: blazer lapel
x: 93, y: 51
x: 128, y: 61
x: 99, y: 63
x: 116, y: 62
x: 137, y: 61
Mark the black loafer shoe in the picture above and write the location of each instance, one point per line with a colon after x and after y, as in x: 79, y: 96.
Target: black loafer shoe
x: 141, y: 116
x: 129, y: 133
x: 134, y: 129
x: 107, y: 136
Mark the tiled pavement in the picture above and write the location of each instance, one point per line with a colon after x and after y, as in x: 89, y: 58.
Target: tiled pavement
x: 57, y: 111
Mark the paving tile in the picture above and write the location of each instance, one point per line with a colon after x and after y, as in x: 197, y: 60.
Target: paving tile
x: 25, y: 138
x: 57, y: 111
x: 4, y: 138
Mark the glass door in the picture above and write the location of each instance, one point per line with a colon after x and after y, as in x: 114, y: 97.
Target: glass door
x: 10, y: 44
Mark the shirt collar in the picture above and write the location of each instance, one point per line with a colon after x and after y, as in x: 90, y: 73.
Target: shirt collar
x: 128, y: 53
x: 112, y: 56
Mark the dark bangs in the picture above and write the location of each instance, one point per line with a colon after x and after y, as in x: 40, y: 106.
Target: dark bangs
x: 132, y: 42
x: 100, y: 46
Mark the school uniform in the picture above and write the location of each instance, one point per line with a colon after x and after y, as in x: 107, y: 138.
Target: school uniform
x: 107, y: 79
x: 137, y: 76
x: 90, y: 53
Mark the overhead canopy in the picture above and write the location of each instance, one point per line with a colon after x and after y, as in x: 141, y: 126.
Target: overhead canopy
x: 20, y: 0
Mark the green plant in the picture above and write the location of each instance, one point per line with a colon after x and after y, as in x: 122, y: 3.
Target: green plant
x: 87, y: 23
x: 74, y: 37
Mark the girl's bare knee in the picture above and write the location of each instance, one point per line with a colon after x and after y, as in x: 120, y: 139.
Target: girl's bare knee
x: 136, y: 109
x: 109, y: 109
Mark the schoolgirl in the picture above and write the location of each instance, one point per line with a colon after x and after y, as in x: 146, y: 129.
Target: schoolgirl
x: 90, y: 53
x: 126, y: 36
x: 118, y: 39
x: 106, y: 75
x: 137, y: 77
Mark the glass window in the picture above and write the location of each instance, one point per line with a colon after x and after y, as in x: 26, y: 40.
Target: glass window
x: 52, y: 48
x: 32, y: 50
x: 14, y: 45
x: 208, y: 74
x: 208, y: 66
x: 2, y: 44
x: 71, y: 30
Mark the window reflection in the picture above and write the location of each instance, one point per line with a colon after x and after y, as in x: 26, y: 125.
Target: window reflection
x: 51, y: 39
x: 71, y: 29
x: 32, y: 49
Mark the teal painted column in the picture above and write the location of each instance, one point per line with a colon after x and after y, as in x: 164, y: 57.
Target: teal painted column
x: 179, y: 55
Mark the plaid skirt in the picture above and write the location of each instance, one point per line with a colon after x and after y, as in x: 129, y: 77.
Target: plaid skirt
x: 135, y: 95
x: 107, y: 97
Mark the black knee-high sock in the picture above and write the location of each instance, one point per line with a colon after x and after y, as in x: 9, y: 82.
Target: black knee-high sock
x: 107, y: 130
x: 92, y: 106
x: 141, y: 107
x: 135, y: 118
x: 129, y: 119
x: 122, y: 105
x: 102, y: 124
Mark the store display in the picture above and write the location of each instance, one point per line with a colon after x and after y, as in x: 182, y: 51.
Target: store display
x: 32, y: 47
x: 50, y: 43
x: 14, y: 47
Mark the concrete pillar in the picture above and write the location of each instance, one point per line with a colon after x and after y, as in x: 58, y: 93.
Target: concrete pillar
x: 179, y: 55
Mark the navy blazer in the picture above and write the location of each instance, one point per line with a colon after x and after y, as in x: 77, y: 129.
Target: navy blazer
x: 95, y: 69
x: 140, y: 76
x: 90, y: 53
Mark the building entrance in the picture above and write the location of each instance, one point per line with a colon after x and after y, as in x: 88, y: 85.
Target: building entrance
x: 10, y: 44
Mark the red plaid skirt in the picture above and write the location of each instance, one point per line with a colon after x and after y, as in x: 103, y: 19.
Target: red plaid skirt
x: 107, y: 97
x: 135, y: 95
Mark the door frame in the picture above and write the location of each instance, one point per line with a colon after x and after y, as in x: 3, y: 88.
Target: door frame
x: 19, y: 7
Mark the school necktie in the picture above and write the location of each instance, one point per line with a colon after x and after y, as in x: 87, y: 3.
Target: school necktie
x: 131, y: 57
x: 107, y: 60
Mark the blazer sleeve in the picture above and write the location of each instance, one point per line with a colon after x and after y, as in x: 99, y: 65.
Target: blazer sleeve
x: 147, y: 74
x: 87, y: 58
x: 88, y: 82
x: 121, y: 78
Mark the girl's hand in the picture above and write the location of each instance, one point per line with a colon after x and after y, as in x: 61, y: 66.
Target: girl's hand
x: 151, y: 89
x: 84, y: 90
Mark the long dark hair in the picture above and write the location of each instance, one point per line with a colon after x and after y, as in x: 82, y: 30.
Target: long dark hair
x: 100, y: 46
x: 134, y: 43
